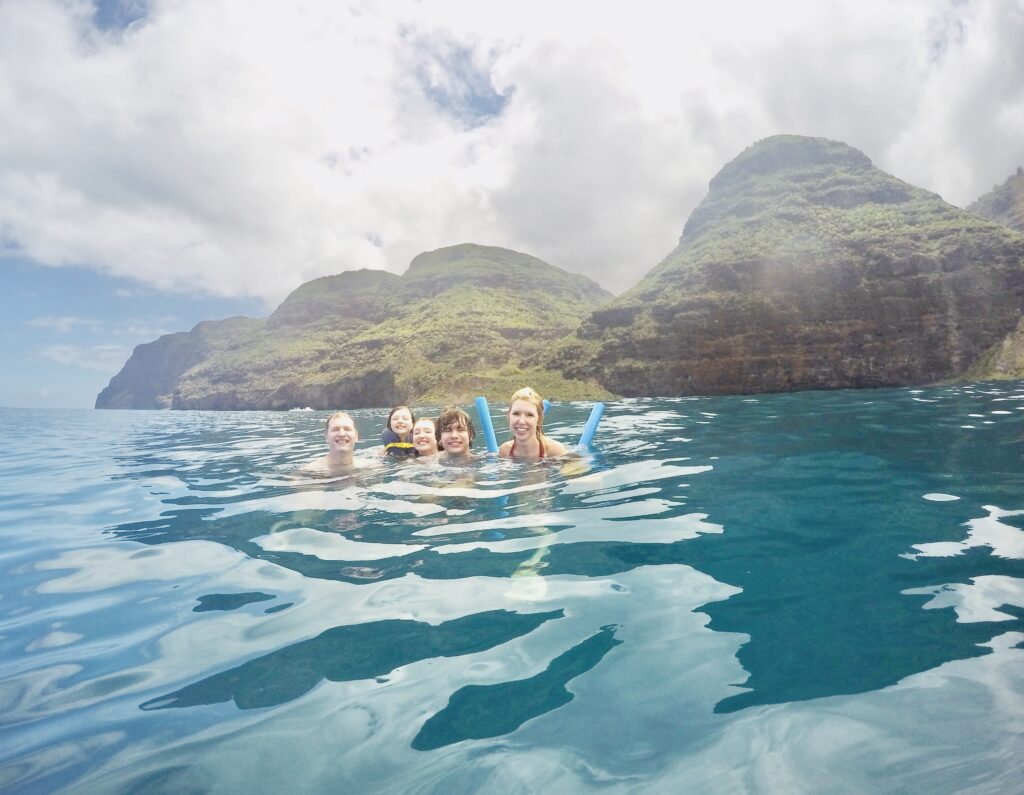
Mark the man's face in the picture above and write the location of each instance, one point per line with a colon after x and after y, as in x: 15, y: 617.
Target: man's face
x: 342, y: 434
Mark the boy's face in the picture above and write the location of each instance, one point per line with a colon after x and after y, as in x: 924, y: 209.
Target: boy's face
x: 455, y: 438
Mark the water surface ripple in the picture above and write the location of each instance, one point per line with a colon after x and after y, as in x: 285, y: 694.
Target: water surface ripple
x: 777, y: 593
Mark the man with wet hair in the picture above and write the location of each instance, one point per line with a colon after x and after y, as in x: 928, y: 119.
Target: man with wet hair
x: 341, y: 435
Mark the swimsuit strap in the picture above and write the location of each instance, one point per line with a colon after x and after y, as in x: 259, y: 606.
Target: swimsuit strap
x: 512, y: 449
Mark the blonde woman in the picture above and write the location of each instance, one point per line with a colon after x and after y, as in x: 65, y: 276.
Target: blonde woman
x: 526, y: 422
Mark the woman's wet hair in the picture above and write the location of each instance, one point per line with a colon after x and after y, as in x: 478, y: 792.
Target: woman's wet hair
x: 452, y: 416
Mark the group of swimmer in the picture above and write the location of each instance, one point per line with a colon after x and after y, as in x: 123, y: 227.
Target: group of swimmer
x: 448, y: 438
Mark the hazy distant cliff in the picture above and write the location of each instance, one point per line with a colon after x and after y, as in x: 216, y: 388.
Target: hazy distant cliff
x: 1004, y: 204
x: 462, y: 321
x: 806, y: 267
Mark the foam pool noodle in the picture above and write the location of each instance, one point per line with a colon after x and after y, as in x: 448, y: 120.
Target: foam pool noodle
x: 486, y: 426
x: 591, y: 427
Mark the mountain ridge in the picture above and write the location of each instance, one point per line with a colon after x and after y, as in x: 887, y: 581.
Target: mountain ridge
x: 461, y: 321
x: 806, y: 267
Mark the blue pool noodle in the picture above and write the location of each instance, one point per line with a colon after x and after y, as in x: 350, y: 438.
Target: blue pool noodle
x: 547, y: 405
x: 484, y: 413
x: 591, y: 427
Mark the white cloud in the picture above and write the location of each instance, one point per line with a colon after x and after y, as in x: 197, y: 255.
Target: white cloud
x: 244, y: 147
x: 104, y: 358
x: 133, y: 328
x: 63, y: 324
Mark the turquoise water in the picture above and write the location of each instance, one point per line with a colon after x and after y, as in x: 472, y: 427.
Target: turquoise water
x: 818, y: 592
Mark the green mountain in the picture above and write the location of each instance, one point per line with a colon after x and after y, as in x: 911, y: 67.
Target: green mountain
x: 1004, y: 204
x: 462, y: 321
x: 805, y: 267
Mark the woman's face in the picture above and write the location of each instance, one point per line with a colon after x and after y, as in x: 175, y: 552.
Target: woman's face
x: 522, y: 419
x: 401, y: 421
x: 455, y: 439
x: 423, y: 438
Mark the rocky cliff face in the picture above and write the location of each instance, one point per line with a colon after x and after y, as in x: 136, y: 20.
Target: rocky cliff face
x: 1004, y: 360
x: 151, y: 374
x: 462, y: 321
x: 1004, y: 204
x: 806, y: 267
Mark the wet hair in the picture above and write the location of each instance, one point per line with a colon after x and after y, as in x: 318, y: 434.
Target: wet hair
x: 327, y: 425
x: 451, y: 416
x: 387, y: 425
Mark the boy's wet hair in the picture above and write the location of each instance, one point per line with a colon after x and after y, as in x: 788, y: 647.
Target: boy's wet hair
x: 451, y: 416
x: 327, y: 424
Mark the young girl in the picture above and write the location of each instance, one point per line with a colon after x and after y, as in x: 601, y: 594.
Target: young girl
x: 397, y: 434
x: 526, y: 421
x: 424, y: 438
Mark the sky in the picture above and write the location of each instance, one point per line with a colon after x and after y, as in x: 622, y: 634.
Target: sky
x: 168, y: 161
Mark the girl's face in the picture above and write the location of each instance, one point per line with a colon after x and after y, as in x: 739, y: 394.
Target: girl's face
x: 401, y: 421
x: 522, y: 419
x: 423, y: 438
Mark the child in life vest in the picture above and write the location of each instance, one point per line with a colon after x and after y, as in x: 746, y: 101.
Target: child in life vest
x: 397, y: 434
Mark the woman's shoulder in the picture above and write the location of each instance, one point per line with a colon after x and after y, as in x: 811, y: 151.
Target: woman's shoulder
x: 553, y: 447
x: 506, y: 449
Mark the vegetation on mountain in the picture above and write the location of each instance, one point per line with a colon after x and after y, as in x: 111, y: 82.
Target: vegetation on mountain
x: 1004, y: 360
x: 806, y: 267
x: 462, y: 321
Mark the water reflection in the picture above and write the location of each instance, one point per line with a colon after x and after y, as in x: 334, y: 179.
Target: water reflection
x: 360, y: 651
x: 718, y: 556
x: 476, y: 712
x: 809, y: 526
x: 817, y: 532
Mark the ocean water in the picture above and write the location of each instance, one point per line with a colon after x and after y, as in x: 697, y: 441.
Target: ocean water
x: 816, y: 592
